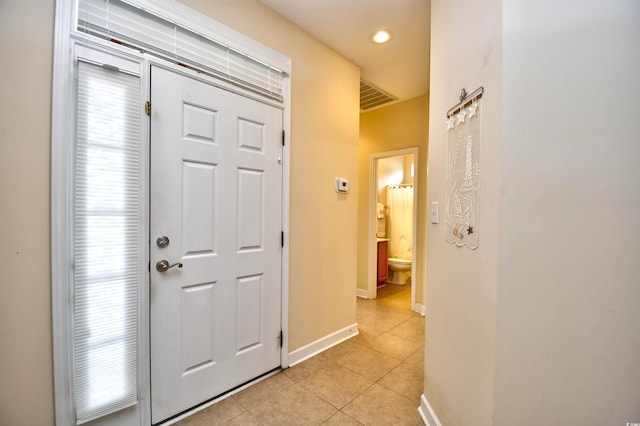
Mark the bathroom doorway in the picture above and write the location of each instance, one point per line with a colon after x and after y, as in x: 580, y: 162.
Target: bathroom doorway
x: 393, y: 203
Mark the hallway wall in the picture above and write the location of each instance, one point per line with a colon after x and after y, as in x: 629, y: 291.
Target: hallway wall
x: 462, y: 283
x: 568, y: 328
x: 26, y: 394
x: 323, y: 233
x: 538, y: 326
x: 398, y: 126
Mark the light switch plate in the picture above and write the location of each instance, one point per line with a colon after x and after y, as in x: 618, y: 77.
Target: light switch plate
x: 434, y: 212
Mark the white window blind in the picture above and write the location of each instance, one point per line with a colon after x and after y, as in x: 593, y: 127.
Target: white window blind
x: 117, y: 20
x: 107, y: 215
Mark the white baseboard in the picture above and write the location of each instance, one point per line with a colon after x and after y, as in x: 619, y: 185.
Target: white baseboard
x: 419, y: 308
x: 362, y: 293
x: 427, y: 414
x: 322, y: 344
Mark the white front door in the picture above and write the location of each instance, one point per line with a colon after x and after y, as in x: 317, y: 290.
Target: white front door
x: 216, y: 197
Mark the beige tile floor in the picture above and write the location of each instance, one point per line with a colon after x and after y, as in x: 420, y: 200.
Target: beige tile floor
x: 374, y: 378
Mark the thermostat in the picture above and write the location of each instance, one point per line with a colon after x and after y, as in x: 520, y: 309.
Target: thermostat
x: 342, y: 185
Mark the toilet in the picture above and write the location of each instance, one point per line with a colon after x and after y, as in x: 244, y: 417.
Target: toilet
x: 400, y: 270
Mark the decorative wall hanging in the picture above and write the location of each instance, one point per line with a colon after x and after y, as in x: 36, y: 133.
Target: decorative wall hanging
x: 464, y: 139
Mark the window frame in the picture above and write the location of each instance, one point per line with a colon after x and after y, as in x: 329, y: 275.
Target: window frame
x: 62, y: 214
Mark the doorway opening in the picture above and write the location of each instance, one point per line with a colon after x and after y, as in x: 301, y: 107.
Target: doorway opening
x: 393, y: 204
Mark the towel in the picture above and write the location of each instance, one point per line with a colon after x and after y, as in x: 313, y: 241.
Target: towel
x: 380, y: 211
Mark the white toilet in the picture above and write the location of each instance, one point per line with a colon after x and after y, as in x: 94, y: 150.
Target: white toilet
x: 400, y: 270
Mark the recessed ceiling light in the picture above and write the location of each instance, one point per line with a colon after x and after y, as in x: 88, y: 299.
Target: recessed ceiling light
x: 381, y: 36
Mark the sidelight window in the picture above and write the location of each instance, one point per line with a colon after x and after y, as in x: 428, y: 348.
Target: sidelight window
x: 106, y: 241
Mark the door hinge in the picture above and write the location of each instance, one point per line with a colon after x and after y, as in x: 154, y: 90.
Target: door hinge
x: 147, y: 108
x: 280, y: 339
x: 283, y: 138
x: 149, y: 266
x: 282, y: 239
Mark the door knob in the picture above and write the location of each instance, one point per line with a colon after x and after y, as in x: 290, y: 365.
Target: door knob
x: 164, y: 265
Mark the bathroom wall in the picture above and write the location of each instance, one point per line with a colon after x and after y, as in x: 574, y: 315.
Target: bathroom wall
x: 408, y: 169
x: 390, y: 171
x: 394, y: 170
x: 324, y: 134
x: 398, y: 126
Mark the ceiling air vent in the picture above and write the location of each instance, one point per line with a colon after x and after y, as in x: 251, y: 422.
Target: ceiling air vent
x: 371, y: 96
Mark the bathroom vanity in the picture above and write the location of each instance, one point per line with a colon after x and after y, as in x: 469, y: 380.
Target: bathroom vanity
x: 383, y: 260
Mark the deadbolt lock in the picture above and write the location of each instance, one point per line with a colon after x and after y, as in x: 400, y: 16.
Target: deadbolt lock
x: 163, y: 241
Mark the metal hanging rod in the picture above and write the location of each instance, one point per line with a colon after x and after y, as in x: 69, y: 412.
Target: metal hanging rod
x: 465, y: 99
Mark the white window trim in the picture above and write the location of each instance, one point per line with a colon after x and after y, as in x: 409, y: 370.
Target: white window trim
x: 62, y: 226
x: 62, y: 131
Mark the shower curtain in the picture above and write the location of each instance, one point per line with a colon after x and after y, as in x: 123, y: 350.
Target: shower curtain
x: 400, y: 200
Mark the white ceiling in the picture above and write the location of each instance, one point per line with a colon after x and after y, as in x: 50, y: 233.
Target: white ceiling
x: 399, y: 67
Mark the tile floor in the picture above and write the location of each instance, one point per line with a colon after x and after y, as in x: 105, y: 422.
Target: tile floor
x: 374, y: 378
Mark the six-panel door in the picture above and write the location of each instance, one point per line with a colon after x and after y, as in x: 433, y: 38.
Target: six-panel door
x: 216, y: 194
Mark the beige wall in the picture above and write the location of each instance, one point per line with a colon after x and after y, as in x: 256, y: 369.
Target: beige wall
x: 324, y: 135
x: 398, y: 126
x: 461, y: 283
x: 568, y: 335
x: 26, y: 48
x: 539, y: 326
